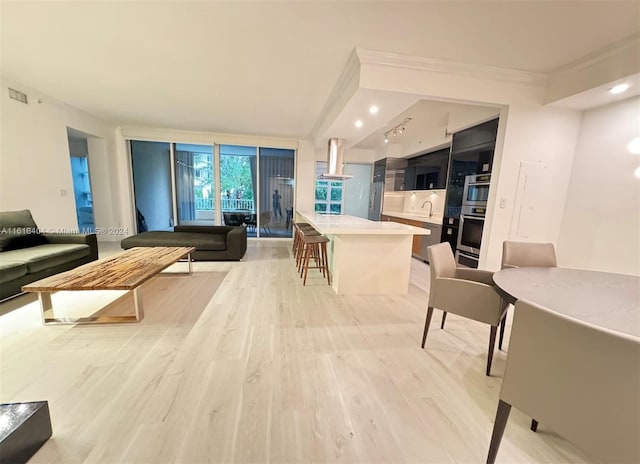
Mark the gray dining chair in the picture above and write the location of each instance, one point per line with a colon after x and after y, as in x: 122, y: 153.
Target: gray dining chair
x: 526, y: 254
x: 583, y: 381
x: 466, y: 292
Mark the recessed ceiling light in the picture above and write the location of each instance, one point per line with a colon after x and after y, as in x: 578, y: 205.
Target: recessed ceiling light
x: 358, y: 123
x: 616, y: 89
x: 373, y: 109
x: 634, y: 146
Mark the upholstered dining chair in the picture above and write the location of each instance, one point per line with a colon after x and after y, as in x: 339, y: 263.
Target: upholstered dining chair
x: 526, y: 254
x: 583, y: 382
x: 461, y: 291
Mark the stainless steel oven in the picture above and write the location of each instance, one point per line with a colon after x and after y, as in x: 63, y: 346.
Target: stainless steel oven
x: 476, y: 190
x: 471, y: 233
x: 474, y: 208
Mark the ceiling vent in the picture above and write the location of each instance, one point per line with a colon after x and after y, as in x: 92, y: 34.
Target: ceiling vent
x: 19, y: 96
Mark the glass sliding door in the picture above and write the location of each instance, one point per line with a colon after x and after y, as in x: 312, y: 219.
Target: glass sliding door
x: 194, y: 184
x: 276, y: 192
x: 235, y: 184
x: 239, y: 186
x: 151, y: 166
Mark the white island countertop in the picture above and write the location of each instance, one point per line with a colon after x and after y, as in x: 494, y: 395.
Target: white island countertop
x: 342, y: 224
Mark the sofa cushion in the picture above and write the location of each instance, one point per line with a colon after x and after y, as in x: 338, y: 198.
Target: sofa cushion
x: 17, y: 220
x: 19, y: 230
x: 10, y: 270
x: 202, y: 241
x: 42, y: 257
x: 14, y: 241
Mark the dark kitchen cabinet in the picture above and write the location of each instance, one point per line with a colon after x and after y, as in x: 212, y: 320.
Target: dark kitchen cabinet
x: 477, y: 135
x: 471, y: 153
x: 449, y: 233
x: 427, y: 171
x: 391, y: 172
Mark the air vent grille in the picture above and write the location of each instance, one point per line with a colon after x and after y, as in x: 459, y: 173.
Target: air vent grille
x: 19, y: 96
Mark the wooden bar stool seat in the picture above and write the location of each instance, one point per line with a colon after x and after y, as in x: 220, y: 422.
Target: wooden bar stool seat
x: 298, y: 228
x: 315, y: 246
x: 299, y: 246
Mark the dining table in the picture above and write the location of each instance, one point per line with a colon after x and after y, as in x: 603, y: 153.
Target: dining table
x: 565, y: 363
x: 605, y: 299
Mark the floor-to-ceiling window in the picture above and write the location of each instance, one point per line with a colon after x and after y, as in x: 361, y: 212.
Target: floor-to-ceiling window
x: 79, y: 151
x: 82, y: 194
x: 195, y: 191
x: 276, y: 192
x: 237, y: 185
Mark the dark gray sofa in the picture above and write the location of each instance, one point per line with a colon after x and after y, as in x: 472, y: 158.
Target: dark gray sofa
x: 212, y: 243
x: 27, y: 255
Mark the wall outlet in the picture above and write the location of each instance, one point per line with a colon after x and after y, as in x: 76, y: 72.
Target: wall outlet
x: 503, y: 202
x: 63, y: 192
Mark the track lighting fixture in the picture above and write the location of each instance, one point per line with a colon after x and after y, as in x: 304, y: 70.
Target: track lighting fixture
x: 396, y: 130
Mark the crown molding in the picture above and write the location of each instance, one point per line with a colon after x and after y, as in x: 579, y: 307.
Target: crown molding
x: 345, y: 87
x: 379, y: 58
x: 613, y: 51
x: 603, y: 67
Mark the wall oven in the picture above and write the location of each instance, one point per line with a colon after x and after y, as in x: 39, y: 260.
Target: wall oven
x: 476, y: 190
x: 472, y: 215
x: 469, y: 240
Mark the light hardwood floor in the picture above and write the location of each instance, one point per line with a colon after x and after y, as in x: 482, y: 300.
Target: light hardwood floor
x: 267, y: 371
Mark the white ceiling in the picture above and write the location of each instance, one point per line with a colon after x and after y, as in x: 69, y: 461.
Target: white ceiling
x: 269, y: 67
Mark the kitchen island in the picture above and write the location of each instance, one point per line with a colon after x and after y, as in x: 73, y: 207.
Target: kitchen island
x: 366, y: 257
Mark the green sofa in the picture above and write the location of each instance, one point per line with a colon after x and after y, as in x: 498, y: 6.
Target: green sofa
x: 212, y: 243
x: 27, y: 255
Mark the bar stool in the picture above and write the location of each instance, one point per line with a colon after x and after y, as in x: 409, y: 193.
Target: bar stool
x: 300, y: 228
x: 316, y: 246
x: 300, y: 250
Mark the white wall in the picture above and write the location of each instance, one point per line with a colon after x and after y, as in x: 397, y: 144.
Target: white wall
x: 305, y: 176
x: 35, y: 171
x: 529, y: 134
x: 601, y: 224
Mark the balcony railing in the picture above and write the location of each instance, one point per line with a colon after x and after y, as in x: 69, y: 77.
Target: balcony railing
x: 237, y: 204
x: 204, y: 204
x: 228, y: 204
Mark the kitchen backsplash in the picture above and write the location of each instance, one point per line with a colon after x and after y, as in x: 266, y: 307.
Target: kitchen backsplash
x: 393, y: 201
x: 412, y: 201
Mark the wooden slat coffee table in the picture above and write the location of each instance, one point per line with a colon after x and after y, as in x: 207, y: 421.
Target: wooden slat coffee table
x: 124, y: 271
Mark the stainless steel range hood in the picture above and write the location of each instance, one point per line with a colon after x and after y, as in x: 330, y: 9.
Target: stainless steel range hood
x: 335, y: 161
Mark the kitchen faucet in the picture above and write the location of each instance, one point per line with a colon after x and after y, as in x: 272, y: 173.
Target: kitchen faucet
x: 430, y: 207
